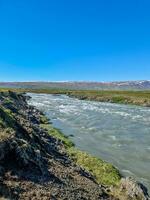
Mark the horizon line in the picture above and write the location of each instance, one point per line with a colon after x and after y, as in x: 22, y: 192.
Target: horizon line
x: 80, y: 81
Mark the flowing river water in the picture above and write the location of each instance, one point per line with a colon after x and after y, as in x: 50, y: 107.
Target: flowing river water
x: 119, y: 134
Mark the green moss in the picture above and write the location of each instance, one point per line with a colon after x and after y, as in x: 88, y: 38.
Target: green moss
x: 8, y: 101
x: 44, y: 120
x: 56, y: 133
x: 6, y: 117
x: 104, y: 172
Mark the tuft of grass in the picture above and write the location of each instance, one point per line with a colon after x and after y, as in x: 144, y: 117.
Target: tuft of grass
x: 6, y: 117
x: 118, y: 99
x: 8, y: 101
x: 44, y: 119
x: 104, y: 172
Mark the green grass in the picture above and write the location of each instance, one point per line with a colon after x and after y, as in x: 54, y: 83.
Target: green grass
x: 6, y: 118
x: 125, y: 97
x: 7, y: 123
x: 141, y: 98
x: 44, y: 120
x: 58, y: 134
x: 104, y: 172
x: 118, y: 99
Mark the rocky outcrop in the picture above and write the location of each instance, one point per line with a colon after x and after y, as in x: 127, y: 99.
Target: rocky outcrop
x: 129, y: 189
x: 35, y: 165
x: 132, y: 189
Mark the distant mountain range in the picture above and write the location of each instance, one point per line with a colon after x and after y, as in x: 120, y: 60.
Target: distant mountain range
x: 121, y: 85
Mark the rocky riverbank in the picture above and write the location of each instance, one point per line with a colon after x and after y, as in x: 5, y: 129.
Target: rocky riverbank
x: 36, y: 164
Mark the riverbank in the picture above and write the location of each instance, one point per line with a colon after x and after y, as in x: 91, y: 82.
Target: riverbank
x: 41, y: 163
x: 141, y: 98
x: 104, y: 172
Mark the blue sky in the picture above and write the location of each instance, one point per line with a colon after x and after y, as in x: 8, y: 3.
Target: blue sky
x: 56, y: 40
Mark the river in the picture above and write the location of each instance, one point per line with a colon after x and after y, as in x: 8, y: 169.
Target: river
x: 119, y: 134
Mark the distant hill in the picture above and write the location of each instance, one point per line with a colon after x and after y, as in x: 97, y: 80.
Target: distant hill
x: 121, y: 85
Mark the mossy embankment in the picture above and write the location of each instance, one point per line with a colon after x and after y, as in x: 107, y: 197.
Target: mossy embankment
x: 104, y: 173
x: 141, y: 98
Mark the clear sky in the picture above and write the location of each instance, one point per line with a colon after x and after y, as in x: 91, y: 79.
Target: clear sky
x: 56, y: 40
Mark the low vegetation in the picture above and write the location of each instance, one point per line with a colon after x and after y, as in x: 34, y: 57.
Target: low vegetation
x: 104, y: 172
x: 141, y: 98
x: 58, y: 134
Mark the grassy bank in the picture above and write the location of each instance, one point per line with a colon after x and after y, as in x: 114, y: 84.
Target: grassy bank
x: 141, y: 98
x: 104, y: 172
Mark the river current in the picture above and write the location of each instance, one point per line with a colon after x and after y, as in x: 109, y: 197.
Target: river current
x: 119, y: 134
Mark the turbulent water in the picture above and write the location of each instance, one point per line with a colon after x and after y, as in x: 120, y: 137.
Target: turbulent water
x: 119, y: 134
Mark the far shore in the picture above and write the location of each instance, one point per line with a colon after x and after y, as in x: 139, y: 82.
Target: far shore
x: 140, y: 98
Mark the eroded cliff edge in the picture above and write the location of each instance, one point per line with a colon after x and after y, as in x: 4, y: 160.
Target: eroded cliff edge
x: 36, y: 165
